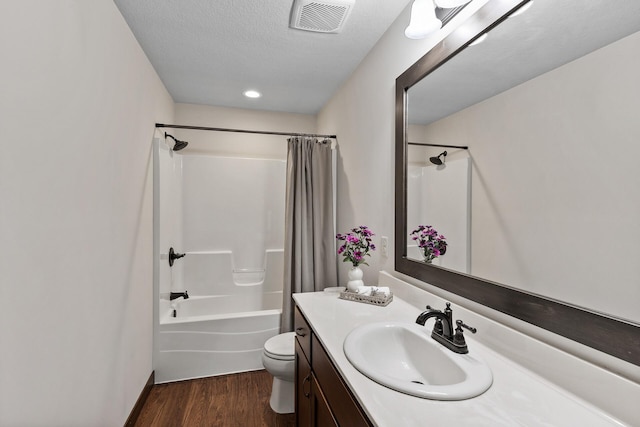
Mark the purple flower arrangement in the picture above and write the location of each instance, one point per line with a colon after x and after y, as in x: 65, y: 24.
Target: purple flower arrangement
x: 430, y: 242
x: 357, y: 244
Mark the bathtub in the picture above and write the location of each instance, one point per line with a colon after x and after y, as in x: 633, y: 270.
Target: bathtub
x: 215, y: 335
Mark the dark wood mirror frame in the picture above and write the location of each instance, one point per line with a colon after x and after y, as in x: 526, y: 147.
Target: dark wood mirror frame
x: 616, y: 337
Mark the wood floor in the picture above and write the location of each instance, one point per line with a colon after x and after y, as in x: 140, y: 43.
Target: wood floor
x: 236, y: 400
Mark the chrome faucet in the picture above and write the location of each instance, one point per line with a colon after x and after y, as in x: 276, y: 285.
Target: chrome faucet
x: 443, y: 331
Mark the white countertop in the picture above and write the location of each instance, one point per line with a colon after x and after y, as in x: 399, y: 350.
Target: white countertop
x: 517, y: 397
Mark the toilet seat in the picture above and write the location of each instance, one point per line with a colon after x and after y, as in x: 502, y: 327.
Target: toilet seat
x: 281, y: 347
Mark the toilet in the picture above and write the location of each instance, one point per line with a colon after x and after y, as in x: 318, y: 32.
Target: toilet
x: 278, y: 358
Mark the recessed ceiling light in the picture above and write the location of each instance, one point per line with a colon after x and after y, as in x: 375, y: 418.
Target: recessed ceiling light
x: 252, y: 94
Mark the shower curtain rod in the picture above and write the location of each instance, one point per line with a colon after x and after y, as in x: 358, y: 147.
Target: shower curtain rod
x: 161, y: 125
x: 464, y: 147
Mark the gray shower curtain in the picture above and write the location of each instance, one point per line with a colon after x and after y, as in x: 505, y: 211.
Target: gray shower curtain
x: 309, y: 246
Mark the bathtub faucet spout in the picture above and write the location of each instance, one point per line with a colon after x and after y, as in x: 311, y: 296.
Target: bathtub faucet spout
x: 174, y: 295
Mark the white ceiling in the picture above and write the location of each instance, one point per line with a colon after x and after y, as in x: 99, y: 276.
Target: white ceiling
x: 210, y: 51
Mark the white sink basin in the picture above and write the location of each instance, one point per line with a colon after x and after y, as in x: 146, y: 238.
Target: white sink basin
x: 404, y: 357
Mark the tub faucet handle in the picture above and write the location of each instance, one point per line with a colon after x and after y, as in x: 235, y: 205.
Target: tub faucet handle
x: 173, y: 255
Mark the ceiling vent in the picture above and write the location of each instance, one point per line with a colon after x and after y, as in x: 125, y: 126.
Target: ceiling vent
x: 320, y: 16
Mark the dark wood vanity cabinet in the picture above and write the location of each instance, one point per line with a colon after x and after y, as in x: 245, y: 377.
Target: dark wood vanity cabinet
x: 303, y: 388
x: 322, y: 398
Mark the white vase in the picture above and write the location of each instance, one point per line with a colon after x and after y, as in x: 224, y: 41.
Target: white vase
x: 435, y: 261
x: 355, y: 279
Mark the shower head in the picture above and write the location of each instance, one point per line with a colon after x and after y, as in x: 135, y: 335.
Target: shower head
x: 179, y: 145
x: 437, y: 160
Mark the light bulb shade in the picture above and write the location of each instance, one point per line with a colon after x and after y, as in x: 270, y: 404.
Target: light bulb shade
x: 522, y: 10
x: 450, y: 4
x: 479, y: 40
x: 423, y: 20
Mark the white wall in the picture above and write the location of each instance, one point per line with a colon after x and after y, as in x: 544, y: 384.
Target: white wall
x: 78, y: 105
x: 362, y: 114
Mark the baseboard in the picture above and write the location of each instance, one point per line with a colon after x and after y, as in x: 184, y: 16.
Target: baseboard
x: 137, y: 408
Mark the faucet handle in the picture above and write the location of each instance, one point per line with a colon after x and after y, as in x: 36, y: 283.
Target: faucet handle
x: 447, y: 309
x: 458, y: 336
x: 461, y: 325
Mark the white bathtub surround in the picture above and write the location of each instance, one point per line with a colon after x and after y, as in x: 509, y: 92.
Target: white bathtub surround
x: 216, y: 335
x: 443, y: 195
x: 233, y: 204
x: 215, y: 273
x: 173, y: 306
x: 227, y: 215
x: 211, y: 307
x: 518, y: 396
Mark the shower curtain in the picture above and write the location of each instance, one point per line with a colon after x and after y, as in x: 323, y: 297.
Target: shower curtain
x: 309, y: 247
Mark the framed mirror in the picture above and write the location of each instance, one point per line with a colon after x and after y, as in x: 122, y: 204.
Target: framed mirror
x: 547, y: 188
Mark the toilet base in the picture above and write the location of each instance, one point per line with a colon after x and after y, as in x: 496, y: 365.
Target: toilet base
x: 282, y: 396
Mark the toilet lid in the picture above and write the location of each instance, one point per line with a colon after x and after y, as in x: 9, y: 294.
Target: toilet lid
x: 281, y: 346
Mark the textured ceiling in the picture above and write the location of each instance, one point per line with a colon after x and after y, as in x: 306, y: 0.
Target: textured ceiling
x: 210, y: 51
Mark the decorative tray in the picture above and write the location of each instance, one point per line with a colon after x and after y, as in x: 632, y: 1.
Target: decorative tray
x: 376, y: 298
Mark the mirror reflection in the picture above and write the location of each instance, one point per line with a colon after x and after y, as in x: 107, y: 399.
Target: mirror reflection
x: 438, y: 208
x: 545, y: 199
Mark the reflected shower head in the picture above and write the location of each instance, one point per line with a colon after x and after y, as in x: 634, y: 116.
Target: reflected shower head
x: 437, y: 160
x: 179, y: 145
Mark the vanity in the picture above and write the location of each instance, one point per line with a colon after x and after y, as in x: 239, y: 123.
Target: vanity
x: 331, y: 391
x: 322, y: 397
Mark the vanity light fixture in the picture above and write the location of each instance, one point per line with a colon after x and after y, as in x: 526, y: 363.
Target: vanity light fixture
x: 252, y: 94
x: 522, y: 10
x: 479, y: 39
x: 423, y: 20
x: 450, y: 4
